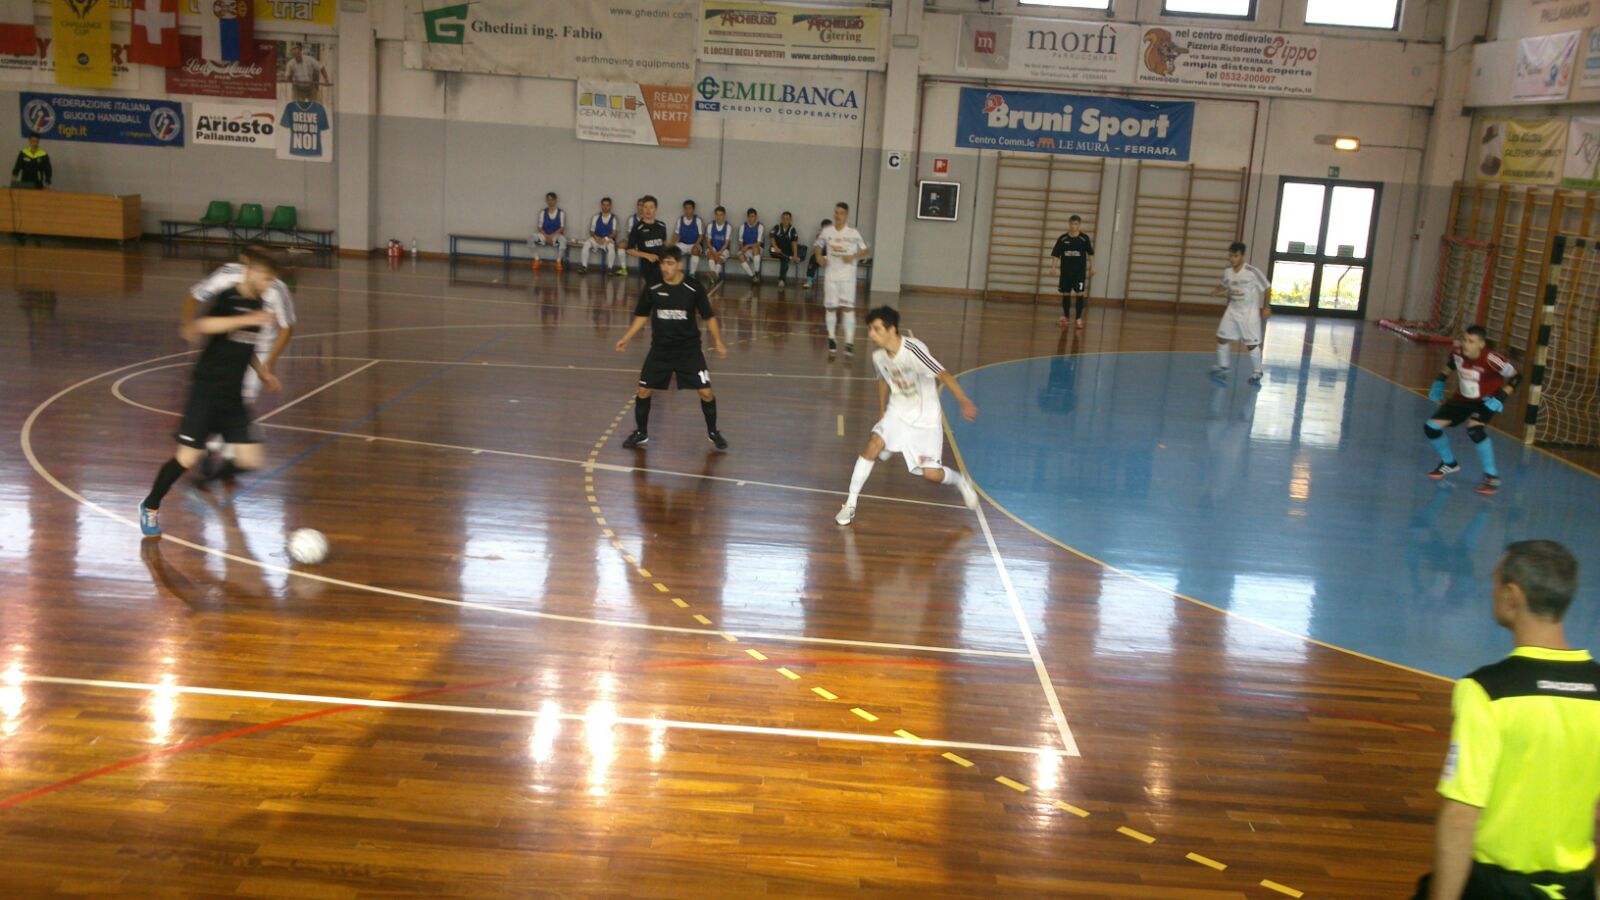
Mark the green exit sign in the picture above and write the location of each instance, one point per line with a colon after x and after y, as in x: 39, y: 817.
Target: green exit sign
x: 1333, y: 171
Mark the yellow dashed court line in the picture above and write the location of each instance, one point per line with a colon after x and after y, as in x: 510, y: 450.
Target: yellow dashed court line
x: 645, y: 574
x: 630, y: 560
x: 728, y: 637
x: 757, y: 655
x: 906, y: 734
x: 788, y: 674
x: 1281, y: 888
x: 663, y: 588
x: 1068, y: 807
x: 961, y: 761
x: 824, y: 693
x: 863, y: 714
x: 1136, y: 835
x: 678, y: 601
x: 1017, y: 786
x: 1205, y: 861
x: 701, y: 619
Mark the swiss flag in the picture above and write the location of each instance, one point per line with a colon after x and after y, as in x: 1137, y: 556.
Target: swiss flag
x: 155, y: 33
x: 16, y: 28
x: 227, y: 30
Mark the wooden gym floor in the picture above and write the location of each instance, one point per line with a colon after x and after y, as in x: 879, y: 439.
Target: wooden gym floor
x: 538, y: 664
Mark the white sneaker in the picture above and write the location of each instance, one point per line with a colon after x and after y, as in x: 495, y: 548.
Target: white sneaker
x: 968, y: 495
x: 847, y: 514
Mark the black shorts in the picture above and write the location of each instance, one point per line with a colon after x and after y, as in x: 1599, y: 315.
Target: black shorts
x: 1455, y: 411
x: 211, y: 411
x: 1074, y: 281
x: 1490, y: 882
x: 689, y: 364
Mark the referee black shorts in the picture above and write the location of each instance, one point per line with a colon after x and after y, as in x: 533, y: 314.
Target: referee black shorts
x: 209, y: 412
x: 1456, y: 411
x: 1490, y: 882
x: 688, y: 364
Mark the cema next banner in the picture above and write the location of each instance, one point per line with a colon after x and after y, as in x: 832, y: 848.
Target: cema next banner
x: 639, y: 41
x: 1073, y: 124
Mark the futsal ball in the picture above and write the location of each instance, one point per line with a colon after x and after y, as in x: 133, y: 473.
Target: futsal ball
x: 308, y: 546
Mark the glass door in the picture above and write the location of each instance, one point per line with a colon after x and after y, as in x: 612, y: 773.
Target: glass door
x: 1322, y: 246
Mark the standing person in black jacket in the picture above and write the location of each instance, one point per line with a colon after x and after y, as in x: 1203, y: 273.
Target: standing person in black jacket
x: 32, y: 169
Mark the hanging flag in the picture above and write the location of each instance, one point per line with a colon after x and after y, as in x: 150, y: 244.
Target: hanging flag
x: 80, y: 42
x: 227, y: 30
x: 155, y: 34
x: 16, y: 28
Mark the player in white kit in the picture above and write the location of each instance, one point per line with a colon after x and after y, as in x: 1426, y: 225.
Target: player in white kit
x: 1249, y: 296
x: 840, y: 247
x: 910, y: 417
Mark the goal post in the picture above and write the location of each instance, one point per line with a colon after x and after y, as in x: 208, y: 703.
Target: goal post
x: 1461, y: 292
x: 1564, y: 382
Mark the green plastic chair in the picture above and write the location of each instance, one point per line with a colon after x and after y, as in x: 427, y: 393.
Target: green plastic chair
x: 284, y: 218
x: 219, y: 212
x: 251, y: 215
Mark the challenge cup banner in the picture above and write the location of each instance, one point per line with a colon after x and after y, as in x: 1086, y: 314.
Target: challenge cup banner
x: 823, y: 37
x: 1053, y: 49
x: 40, y: 67
x: 638, y: 41
x: 81, y: 45
x: 268, y: 13
x: 1198, y: 56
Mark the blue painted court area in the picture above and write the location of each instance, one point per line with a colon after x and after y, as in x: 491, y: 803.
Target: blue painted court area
x: 1301, y: 504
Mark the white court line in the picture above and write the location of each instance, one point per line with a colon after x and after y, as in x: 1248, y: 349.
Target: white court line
x: 538, y: 714
x: 312, y: 393
x: 116, y: 390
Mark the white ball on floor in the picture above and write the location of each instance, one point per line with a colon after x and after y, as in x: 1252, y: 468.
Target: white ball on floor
x: 308, y: 546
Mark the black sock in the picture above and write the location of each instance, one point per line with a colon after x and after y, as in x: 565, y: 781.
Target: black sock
x: 170, y: 472
x: 1066, y: 307
x: 1083, y: 300
x: 708, y: 408
x: 641, y: 413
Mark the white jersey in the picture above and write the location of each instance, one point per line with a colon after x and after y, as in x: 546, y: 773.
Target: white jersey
x: 277, y: 301
x: 841, y: 242
x: 1246, y: 287
x: 912, y: 376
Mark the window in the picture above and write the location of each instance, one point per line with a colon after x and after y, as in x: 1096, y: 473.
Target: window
x: 1069, y: 4
x: 1354, y: 13
x: 1232, y: 9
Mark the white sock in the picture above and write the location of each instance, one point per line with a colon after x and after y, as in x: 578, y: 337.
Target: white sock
x: 858, y: 479
x: 611, y: 255
x: 849, y: 326
x: 583, y: 256
x: 832, y: 316
x: 745, y: 262
x: 214, y: 444
x: 1255, y: 357
x: 694, y: 264
x: 227, y: 451
x: 952, y: 478
x: 1222, y: 355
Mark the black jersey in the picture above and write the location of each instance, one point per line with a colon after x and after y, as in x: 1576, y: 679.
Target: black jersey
x: 785, y: 238
x: 226, y: 356
x: 1073, y: 252
x: 648, y: 237
x: 672, y: 309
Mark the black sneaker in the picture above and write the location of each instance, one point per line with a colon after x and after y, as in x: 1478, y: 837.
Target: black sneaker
x: 717, y: 440
x: 637, y: 439
x: 1443, y: 469
x: 833, y: 346
x: 1489, y: 485
x: 849, y: 349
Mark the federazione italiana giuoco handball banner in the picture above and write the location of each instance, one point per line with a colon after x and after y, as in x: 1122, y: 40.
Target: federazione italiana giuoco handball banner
x: 1074, y: 125
x: 1055, y: 49
x: 775, y: 34
x: 639, y: 41
x: 1199, y: 56
x: 627, y: 113
x: 105, y: 120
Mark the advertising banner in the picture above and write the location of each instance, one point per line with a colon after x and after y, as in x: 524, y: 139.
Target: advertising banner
x: 1589, y: 75
x: 623, y: 113
x: 1075, y: 125
x: 1199, y: 56
x: 305, y: 132
x: 105, y: 120
x: 81, y: 45
x: 254, y: 80
x: 782, y: 96
x: 269, y: 14
x: 40, y: 68
x: 229, y: 125
x: 1544, y: 66
x: 1053, y: 49
x: 643, y: 41
x: 1582, y: 169
x: 776, y: 34
x: 1522, y: 151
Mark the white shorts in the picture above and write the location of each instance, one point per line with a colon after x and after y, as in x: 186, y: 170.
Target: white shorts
x: 687, y: 249
x: 836, y: 294
x: 1240, y: 324
x: 921, y: 448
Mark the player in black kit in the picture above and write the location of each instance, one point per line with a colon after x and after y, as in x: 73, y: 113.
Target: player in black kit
x: 672, y: 303
x: 216, y: 394
x: 1073, y: 258
x: 646, y: 240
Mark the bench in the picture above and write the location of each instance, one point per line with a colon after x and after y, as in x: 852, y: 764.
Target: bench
x: 283, y: 230
x: 798, y: 272
x: 504, y: 243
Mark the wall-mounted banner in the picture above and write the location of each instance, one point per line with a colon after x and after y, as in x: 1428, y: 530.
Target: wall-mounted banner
x: 1544, y: 66
x: 775, y: 34
x: 253, y: 80
x: 1200, y: 56
x: 642, y: 41
x: 1582, y: 169
x: 1522, y: 151
x: 226, y: 125
x: 782, y: 96
x: 269, y: 14
x: 305, y: 132
x: 105, y: 120
x: 1589, y: 74
x: 1053, y: 49
x: 1073, y: 124
x: 81, y: 45
x: 624, y: 113
x: 40, y: 68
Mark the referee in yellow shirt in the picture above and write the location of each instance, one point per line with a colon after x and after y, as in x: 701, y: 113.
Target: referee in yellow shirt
x: 1522, y: 777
